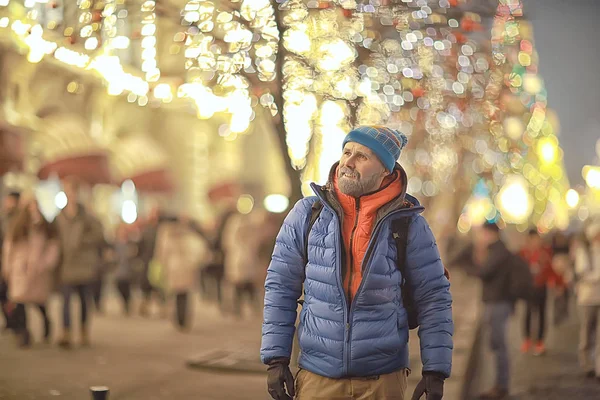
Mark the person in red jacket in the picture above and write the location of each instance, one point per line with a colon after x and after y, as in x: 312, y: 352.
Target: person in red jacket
x: 539, y: 257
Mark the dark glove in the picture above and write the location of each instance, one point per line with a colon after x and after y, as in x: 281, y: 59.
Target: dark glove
x: 432, y: 384
x: 279, y: 374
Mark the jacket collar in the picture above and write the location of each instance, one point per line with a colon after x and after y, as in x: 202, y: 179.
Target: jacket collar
x: 402, y: 201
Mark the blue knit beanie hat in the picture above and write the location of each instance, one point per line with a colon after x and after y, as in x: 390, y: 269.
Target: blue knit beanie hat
x: 385, y: 142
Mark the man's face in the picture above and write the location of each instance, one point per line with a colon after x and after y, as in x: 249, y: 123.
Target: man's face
x: 359, y: 171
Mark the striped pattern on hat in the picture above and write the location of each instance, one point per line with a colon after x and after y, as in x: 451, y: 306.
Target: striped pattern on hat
x: 385, y: 142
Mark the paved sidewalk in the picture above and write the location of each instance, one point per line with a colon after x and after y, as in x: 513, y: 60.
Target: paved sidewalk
x: 146, y: 358
x: 556, y: 375
x: 139, y: 359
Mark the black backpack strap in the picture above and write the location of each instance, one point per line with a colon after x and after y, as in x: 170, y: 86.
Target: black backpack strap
x: 400, y: 235
x: 315, y: 210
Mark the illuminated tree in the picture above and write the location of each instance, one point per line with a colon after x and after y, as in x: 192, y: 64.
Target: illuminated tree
x: 413, y: 67
x: 527, y: 173
x: 430, y: 82
x: 319, y: 81
x: 225, y: 43
x: 399, y: 64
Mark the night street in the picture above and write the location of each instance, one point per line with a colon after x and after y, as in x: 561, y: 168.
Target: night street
x: 365, y: 188
x: 135, y: 357
x: 553, y: 376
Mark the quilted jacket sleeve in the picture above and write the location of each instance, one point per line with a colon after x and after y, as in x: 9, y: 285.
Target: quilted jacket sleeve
x: 431, y: 292
x: 283, y: 285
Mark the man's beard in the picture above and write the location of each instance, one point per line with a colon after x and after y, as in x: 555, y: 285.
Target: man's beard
x: 351, y: 183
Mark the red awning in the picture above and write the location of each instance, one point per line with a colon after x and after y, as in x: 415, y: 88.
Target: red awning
x: 92, y: 169
x: 227, y: 190
x: 157, y: 181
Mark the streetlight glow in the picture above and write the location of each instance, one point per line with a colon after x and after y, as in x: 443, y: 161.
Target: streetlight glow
x: 591, y: 175
x: 572, y: 198
x: 514, y: 200
x: 548, y: 151
x: 60, y: 200
x: 129, y: 212
x: 276, y: 203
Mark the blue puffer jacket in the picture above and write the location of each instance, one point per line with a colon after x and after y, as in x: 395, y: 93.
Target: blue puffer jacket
x: 369, y: 337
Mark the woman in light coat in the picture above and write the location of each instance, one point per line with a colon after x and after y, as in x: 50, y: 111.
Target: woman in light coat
x: 30, y: 256
x: 181, y: 252
x: 243, y: 237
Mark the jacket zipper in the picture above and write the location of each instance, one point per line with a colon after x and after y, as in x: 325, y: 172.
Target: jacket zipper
x: 365, y: 266
x: 351, y: 264
x: 350, y: 276
x: 345, y: 305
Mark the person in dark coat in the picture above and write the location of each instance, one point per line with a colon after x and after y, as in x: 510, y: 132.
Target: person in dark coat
x: 81, y: 235
x: 488, y: 258
x: 214, y: 272
x: 147, y: 248
x: 125, y: 252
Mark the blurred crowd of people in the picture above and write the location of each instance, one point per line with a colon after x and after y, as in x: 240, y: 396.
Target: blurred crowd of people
x: 542, y: 271
x: 160, y: 260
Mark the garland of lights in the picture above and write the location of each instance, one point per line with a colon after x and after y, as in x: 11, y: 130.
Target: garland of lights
x: 528, y: 177
x: 389, y: 87
x: 113, y: 16
x: 232, y: 63
x: 224, y: 45
x: 148, y: 32
x: 90, y: 21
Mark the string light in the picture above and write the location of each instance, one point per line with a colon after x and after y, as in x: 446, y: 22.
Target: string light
x: 148, y: 32
x: 234, y: 97
x: 113, y: 14
x: 72, y: 57
x: 118, y: 80
x: 218, y: 66
x: 90, y: 21
x: 517, y: 110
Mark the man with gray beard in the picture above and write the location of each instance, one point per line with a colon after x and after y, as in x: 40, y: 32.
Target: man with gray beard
x: 371, y: 270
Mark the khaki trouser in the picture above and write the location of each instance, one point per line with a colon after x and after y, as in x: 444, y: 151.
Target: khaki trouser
x: 311, y: 386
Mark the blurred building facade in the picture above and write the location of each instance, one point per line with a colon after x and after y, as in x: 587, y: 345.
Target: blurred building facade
x: 63, y: 86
